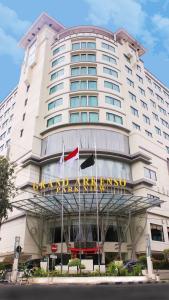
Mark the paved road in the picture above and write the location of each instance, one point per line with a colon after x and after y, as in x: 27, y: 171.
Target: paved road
x: 100, y: 292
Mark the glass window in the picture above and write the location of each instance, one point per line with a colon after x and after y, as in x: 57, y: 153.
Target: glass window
x: 55, y: 103
x: 130, y: 82
x: 129, y: 71
x: 108, y: 47
x: 132, y: 96
x: 54, y: 120
x: 150, y: 174
x: 57, y: 74
x: 56, y: 88
x: 75, y: 85
x: 84, y: 117
x: 74, y: 101
x: 83, y: 85
x: 110, y: 72
x: 59, y: 49
x: 92, y: 70
x: 92, y: 101
x: 75, y: 71
x: 157, y: 130
x: 113, y: 101
x: 114, y: 118
x: 157, y: 232
x: 83, y: 101
x: 75, y: 46
x: 83, y: 71
x: 148, y: 133
x: 146, y: 119
x: 92, y: 85
x: 136, y: 126
x: 134, y: 111
x: 74, y: 118
x: 91, y: 45
x: 57, y: 61
x: 112, y: 86
x: 109, y: 59
x: 75, y: 58
x: 93, y: 117
x: 91, y: 57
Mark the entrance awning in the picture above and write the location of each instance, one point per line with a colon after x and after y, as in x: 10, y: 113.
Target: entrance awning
x: 107, y: 203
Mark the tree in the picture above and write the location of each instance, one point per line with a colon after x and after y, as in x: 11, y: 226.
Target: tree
x: 7, y: 187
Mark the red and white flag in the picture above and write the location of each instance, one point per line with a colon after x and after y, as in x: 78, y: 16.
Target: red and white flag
x: 72, y: 155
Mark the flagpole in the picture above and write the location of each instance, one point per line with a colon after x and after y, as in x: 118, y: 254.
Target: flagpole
x: 97, y: 208
x: 79, y: 208
x: 62, y: 211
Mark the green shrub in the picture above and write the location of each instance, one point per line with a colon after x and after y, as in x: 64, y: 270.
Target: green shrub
x: 143, y: 261
x: 75, y: 262
x: 112, y: 269
x: 2, y: 266
x: 40, y: 273
x: 160, y: 264
x: 137, y: 270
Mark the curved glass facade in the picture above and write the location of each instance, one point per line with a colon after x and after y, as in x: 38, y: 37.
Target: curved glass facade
x: 86, y: 139
x: 105, y: 168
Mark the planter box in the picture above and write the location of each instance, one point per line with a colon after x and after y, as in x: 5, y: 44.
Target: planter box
x: 87, y: 280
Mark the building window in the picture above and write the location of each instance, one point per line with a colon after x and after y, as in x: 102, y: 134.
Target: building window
x: 83, y: 71
x: 134, y: 111
x: 56, y: 88
x: 57, y: 74
x: 59, y: 49
x: 162, y: 110
x: 143, y: 104
x: 114, y: 118
x: 84, y: 117
x: 130, y: 82
x: 160, y: 98
x: 167, y: 149
x: 110, y: 72
x: 83, y: 101
x: 138, y: 68
x: 83, y: 45
x: 21, y: 133
x: 146, y: 119
x: 142, y: 92
x: 157, y: 130
x: 54, y: 120
x: 7, y: 143
x: 111, y: 86
x: 166, y: 135
x: 9, y: 130
x: 108, y: 47
x: 26, y: 101
x: 57, y: 61
x: 113, y: 101
x: 155, y: 117
x: 27, y: 88
x: 157, y: 232
x: 150, y: 174
x: 148, y: 133
x: 132, y: 97
x: 83, y: 57
x: 23, y: 117
x: 109, y: 59
x: 148, y: 79
x: 157, y: 87
x: 83, y: 85
x: 136, y: 126
x: 150, y: 91
x: 55, y: 103
x: 128, y: 70
x: 153, y: 104
x: 140, y: 79
x: 168, y: 232
x: 127, y: 58
x: 165, y: 123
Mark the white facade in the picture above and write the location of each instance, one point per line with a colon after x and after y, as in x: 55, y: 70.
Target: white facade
x: 87, y: 78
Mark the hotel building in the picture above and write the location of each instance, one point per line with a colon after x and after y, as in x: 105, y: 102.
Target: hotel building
x: 87, y: 87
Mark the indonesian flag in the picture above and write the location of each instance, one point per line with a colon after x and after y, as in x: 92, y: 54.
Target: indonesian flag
x: 72, y: 155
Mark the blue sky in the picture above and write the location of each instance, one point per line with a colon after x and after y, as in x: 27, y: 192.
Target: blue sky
x: 146, y: 20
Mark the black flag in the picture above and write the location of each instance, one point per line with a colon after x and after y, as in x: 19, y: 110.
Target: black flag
x: 88, y: 162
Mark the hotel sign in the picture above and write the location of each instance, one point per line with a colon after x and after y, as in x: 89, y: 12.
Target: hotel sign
x: 85, y: 184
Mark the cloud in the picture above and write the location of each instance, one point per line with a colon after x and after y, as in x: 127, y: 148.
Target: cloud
x: 9, y: 20
x: 161, y: 26
x: 128, y: 14
x: 8, y: 46
x: 11, y: 28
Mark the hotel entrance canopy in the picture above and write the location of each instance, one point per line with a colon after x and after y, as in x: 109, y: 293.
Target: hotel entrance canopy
x: 86, y: 203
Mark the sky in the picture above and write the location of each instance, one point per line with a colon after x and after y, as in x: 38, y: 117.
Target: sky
x: 146, y: 20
